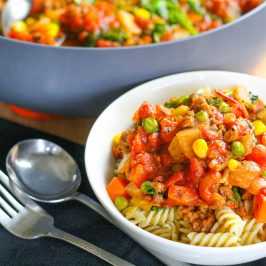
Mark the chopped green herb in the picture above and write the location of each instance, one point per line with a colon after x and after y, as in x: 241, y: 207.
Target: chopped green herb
x: 254, y: 98
x: 171, y: 11
x: 91, y: 40
x: 158, y: 31
x: 214, y: 101
x: 172, y: 103
x: 237, y: 194
x: 196, y: 6
x: 115, y: 35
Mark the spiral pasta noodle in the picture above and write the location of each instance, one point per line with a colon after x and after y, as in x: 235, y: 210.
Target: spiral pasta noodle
x: 229, y: 230
x: 184, y: 230
x: 228, y: 221
x: 213, y: 239
x: 134, y: 214
x: 162, y: 222
x: 159, y: 217
x: 253, y: 233
x: 169, y: 230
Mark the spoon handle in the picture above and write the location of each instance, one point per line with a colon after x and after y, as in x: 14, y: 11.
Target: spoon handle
x: 104, y: 255
x: 97, y: 207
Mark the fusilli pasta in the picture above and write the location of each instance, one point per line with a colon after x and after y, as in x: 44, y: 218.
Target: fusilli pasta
x: 213, y: 239
x: 228, y: 221
x: 229, y: 230
x: 253, y: 233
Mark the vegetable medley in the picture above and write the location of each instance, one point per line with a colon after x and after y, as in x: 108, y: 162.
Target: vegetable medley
x: 202, y: 152
x: 114, y: 23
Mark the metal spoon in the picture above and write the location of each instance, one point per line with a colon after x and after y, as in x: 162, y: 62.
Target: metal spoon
x: 16, y: 10
x: 47, y: 173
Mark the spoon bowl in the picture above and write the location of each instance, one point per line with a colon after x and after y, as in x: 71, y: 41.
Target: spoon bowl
x: 43, y: 170
x: 47, y: 173
x: 13, y: 11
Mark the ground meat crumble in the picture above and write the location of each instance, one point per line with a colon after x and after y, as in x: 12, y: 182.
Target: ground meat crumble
x: 200, y: 219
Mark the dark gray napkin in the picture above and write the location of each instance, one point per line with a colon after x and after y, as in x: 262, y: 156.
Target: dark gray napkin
x: 70, y: 216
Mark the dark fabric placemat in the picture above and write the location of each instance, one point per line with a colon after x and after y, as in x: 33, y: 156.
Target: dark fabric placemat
x: 71, y: 216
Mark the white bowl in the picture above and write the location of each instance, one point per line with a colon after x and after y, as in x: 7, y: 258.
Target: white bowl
x: 100, y: 163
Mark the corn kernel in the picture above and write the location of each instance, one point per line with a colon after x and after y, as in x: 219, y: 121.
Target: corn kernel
x: 30, y: 21
x: 200, y: 147
x: 259, y: 127
x: 116, y: 138
x: 180, y: 110
x: 233, y: 164
x: 52, y: 29
x: 19, y: 26
x: 142, y: 13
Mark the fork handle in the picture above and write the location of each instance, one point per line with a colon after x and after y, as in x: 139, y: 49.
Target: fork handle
x: 104, y: 255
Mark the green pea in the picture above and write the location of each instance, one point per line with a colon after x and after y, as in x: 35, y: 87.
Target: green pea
x: 237, y: 148
x: 224, y: 108
x: 147, y: 188
x: 150, y: 125
x: 202, y: 116
x: 121, y: 203
x: 264, y: 173
x: 183, y: 100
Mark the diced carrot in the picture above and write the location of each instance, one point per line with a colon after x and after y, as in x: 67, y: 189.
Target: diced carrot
x: 260, y: 207
x: 138, y: 175
x: 116, y: 187
x: 194, y: 17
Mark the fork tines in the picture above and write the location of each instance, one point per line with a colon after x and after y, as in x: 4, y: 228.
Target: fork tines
x: 9, y: 204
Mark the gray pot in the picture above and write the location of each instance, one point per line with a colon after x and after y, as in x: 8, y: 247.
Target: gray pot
x: 82, y: 81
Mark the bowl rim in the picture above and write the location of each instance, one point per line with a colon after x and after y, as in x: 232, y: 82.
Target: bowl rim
x: 137, y: 47
x: 126, y: 224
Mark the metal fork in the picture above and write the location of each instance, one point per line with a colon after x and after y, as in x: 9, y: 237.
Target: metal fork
x: 24, y: 218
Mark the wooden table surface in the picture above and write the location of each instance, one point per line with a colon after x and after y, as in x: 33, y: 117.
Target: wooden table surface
x: 77, y: 129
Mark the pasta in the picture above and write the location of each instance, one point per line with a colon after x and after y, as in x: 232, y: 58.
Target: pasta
x: 228, y: 221
x: 213, y: 239
x: 253, y: 233
x: 229, y: 230
x: 134, y: 215
x: 194, y: 170
x: 168, y: 230
x: 160, y: 217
